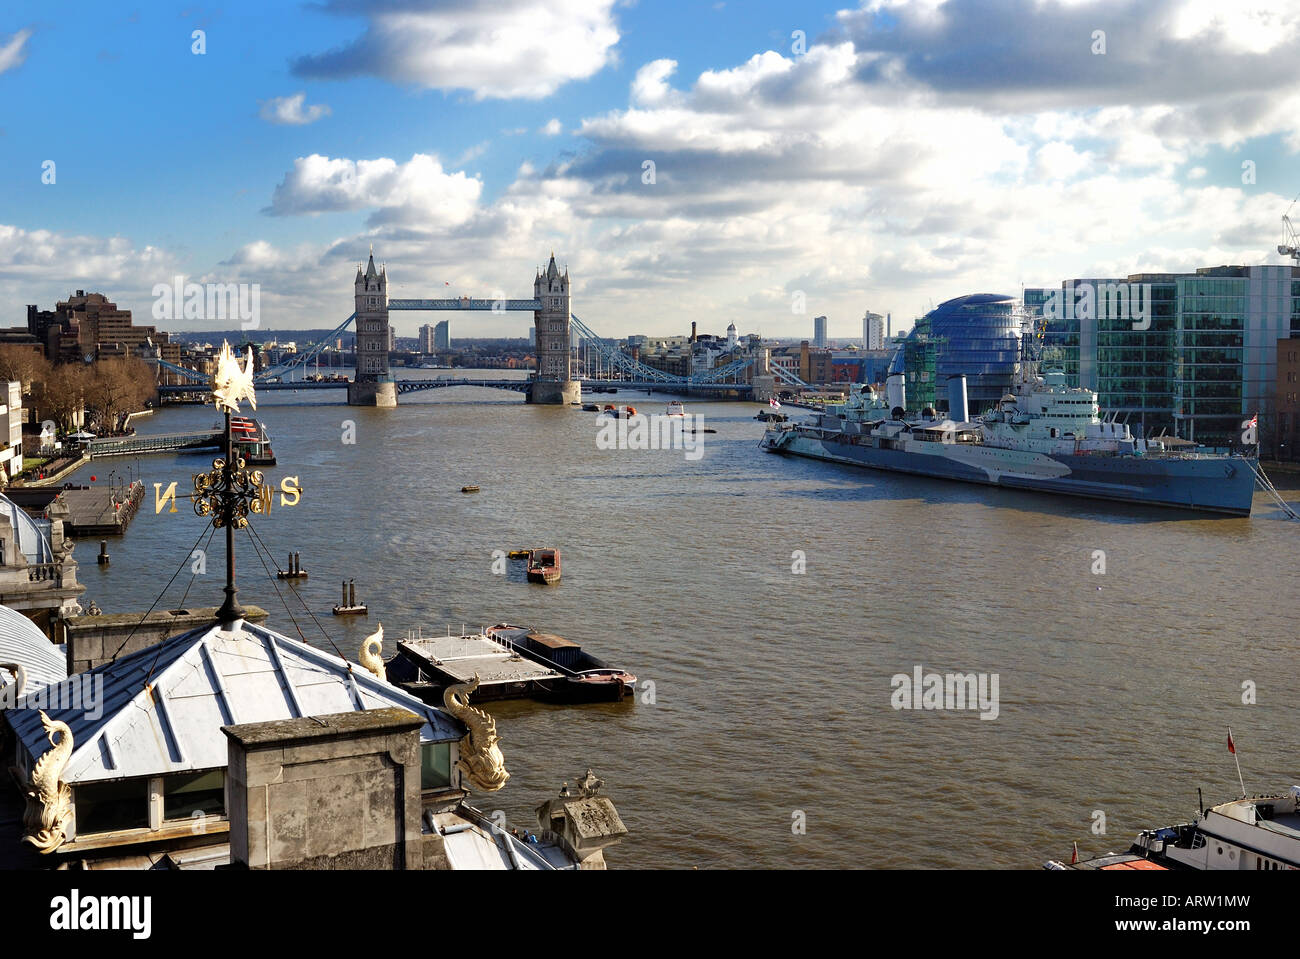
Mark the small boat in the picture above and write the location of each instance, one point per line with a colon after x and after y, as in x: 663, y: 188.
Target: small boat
x: 469, y: 489
x: 590, y: 408
x: 544, y: 566
x: 251, y: 441
x: 675, y: 408
x: 520, y: 553
x: 766, y: 416
x: 619, y: 412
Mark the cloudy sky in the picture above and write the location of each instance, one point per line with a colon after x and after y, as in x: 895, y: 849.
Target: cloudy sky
x: 688, y: 161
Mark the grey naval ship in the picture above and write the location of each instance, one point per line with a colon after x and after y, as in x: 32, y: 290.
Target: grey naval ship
x: 1047, y: 437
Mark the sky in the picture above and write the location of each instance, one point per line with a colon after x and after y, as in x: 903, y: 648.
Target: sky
x: 756, y: 163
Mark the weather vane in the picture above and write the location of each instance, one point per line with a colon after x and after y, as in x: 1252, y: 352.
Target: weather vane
x: 230, y: 491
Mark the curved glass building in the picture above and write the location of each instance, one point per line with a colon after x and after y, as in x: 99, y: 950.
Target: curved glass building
x: 977, y: 335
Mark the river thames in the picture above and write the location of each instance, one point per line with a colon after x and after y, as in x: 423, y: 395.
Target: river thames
x: 764, y: 604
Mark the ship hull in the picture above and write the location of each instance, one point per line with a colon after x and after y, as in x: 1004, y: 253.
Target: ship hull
x: 1217, y: 485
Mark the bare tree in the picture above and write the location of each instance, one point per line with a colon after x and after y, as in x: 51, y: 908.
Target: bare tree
x: 117, y: 386
x: 25, y: 364
x: 63, y: 393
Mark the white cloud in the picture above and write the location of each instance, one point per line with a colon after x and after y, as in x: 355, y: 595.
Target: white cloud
x: 291, y: 110
x: 553, y: 128
x: 13, y: 52
x: 650, y: 86
x: 862, y: 177
x: 495, y: 48
x: 1057, y: 160
x: 418, y: 191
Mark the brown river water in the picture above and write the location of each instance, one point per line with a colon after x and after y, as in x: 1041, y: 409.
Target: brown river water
x: 767, y: 737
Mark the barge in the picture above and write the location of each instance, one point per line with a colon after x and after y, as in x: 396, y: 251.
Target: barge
x: 544, y: 566
x: 586, y: 678
x: 509, y: 662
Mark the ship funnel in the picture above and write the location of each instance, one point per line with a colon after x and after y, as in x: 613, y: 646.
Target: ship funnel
x: 896, y: 390
x: 957, y: 398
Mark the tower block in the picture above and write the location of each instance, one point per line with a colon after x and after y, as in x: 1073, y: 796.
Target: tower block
x: 554, y: 383
x: 373, y: 384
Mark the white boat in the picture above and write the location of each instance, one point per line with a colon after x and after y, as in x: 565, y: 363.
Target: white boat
x: 1262, y: 832
x: 1259, y: 833
x: 675, y: 408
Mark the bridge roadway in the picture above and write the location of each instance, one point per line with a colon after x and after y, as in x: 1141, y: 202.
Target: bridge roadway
x: 519, y: 386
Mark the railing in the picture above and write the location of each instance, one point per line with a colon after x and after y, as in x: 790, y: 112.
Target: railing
x: 152, y: 443
x: 44, y: 572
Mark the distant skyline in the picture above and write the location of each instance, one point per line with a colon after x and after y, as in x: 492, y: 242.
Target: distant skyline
x: 881, y: 157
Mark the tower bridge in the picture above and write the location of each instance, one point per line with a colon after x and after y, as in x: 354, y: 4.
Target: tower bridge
x: 550, y: 306
x: 553, y: 383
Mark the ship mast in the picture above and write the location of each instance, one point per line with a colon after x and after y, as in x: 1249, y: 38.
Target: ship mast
x: 1030, y: 351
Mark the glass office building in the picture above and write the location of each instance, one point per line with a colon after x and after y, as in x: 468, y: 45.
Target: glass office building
x: 1205, y: 361
x: 979, y: 336
x: 1209, y: 381
x: 1059, y: 347
x: 1135, y: 367
x: 915, y: 359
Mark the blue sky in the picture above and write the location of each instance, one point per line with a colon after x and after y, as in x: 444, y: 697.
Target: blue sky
x: 909, y: 152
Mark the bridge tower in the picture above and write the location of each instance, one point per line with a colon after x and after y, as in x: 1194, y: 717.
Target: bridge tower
x: 373, y: 385
x: 554, y: 383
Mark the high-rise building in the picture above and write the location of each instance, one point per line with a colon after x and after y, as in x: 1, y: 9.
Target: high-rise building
x: 442, y: 336
x: 873, y: 331
x: 1199, y: 359
x: 426, y: 339
x: 819, y: 332
x: 88, y: 326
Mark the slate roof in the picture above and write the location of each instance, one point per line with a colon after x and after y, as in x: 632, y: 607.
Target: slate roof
x: 162, y: 708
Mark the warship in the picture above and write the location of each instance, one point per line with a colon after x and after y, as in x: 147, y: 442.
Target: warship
x: 1046, y: 437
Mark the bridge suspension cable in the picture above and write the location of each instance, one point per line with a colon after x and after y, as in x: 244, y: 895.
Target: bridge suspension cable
x: 305, y: 356
x: 785, y: 376
x: 620, y: 360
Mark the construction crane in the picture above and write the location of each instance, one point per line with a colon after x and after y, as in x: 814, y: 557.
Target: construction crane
x: 1291, y: 247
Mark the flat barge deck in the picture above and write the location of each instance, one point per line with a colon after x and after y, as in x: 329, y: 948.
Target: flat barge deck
x: 426, y: 666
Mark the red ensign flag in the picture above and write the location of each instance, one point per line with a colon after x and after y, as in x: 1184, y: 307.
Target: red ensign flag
x: 1232, y: 747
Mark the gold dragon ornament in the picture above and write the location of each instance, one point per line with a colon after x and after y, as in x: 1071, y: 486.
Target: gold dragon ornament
x: 370, y: 656
x: 480, y: 756
x: 49, y: 799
